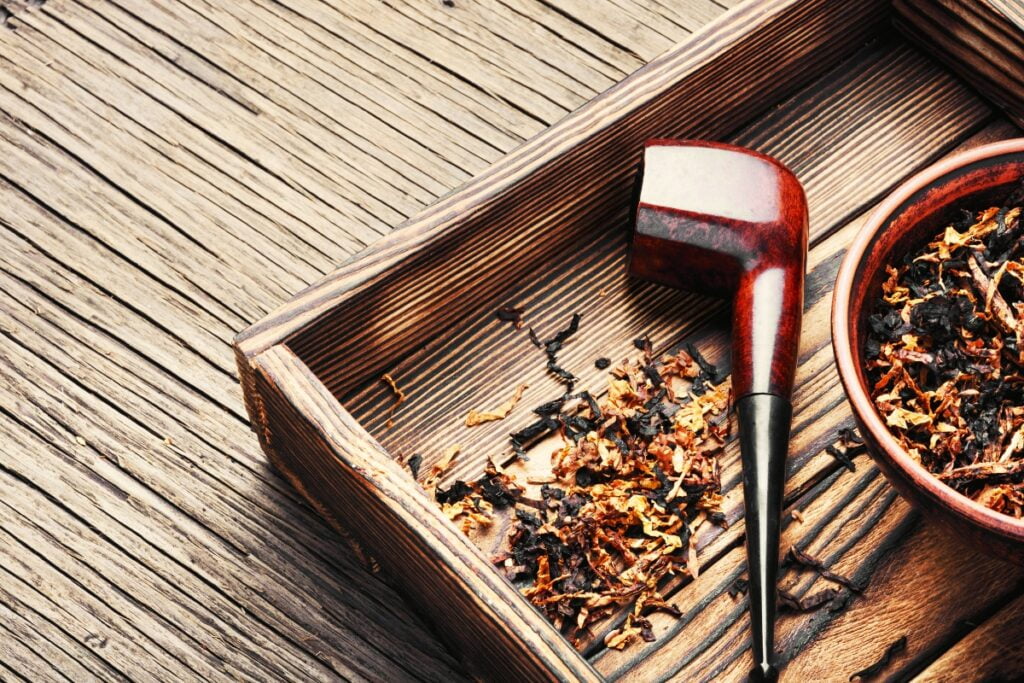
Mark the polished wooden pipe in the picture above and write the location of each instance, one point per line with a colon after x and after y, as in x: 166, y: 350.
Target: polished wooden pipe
x: 727, y: 221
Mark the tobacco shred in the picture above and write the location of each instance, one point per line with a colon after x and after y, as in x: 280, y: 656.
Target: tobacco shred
x: 850, y: 446
x: 738, y: 587
x: 801, y: 559
x: 414, y: 463
x: 946, y: 355
x: 438, y: 469
x: 399, y: 397
x: 868, y: 673
x: 553, y: 345
x: 636, y: 472
x: 830, y: 597
x: 511, y: 314
x: 500, y: 413
x: 842, y: 456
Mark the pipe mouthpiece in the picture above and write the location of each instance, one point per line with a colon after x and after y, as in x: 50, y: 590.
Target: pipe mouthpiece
x: 764, y: 673
x: 764, y: 421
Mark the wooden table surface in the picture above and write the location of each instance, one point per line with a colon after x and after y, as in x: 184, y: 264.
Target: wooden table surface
x: 170, y: 172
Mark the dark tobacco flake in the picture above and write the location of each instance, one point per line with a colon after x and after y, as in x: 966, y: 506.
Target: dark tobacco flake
x: 553, y: 345
x: 571, y: 329
x: 532, y: 333
x: 868, y: 673
x: 850, y: 437
x: 550, y: 493
x: 644, y: 344
x: 842, y: 456
x: 551, y: 407
x: 602, y: 363
x: 560, y: 372
x: 595, y: 409
x: 708, y: 370
x: 541, y: 427
x: 738, y: 587
x: 498, y: 489
x: 653, y: 375
x: 511, y: 314
x: 802, y: 559
x: 808, y: 603
x: 454, y: 494
x: 414, y: 465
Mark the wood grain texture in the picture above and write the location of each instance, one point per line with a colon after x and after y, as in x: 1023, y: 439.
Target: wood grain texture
x: 982, y: 40
x: 170, y: 172
x: 140, y: 229
x: 992, y: 655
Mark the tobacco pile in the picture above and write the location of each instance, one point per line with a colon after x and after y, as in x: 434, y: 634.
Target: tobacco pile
x: 635, y: 472
x: 946, y: 355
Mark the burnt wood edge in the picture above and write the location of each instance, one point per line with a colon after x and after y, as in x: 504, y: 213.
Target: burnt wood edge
x: 591, y: 124
x: 348, y: 477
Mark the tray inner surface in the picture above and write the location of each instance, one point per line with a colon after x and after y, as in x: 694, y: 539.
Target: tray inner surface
x: 850, y: 136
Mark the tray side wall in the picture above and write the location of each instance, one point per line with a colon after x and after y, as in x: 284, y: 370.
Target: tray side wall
x: 347, y: 477
x: 981, y: 40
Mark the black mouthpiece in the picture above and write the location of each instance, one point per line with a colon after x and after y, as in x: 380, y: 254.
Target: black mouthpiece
x: 764, y: 421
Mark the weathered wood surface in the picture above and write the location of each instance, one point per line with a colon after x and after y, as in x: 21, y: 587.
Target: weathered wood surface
x: 169, y: 172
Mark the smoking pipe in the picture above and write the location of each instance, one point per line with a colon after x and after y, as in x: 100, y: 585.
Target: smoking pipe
x: 727, y: 221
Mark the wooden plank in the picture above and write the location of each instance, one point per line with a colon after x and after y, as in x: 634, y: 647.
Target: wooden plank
x: 220, y: 518
x: 979, y: 39
x: 72, y: 658
x: 133, y: 351
x: 992, y: 648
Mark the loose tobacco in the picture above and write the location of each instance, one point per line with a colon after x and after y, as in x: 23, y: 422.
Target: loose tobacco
x: 946, y: 355
x: 636, y: 471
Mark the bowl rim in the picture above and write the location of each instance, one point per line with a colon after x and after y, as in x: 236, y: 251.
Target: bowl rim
x: 857, y: 393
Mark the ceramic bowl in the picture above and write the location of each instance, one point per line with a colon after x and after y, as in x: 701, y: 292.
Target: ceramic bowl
x: 908, y: 218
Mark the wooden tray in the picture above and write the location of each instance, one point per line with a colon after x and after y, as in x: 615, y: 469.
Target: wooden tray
x: 828, y: 88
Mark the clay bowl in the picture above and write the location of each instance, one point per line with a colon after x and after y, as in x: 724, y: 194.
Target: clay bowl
x: 908, y: 218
